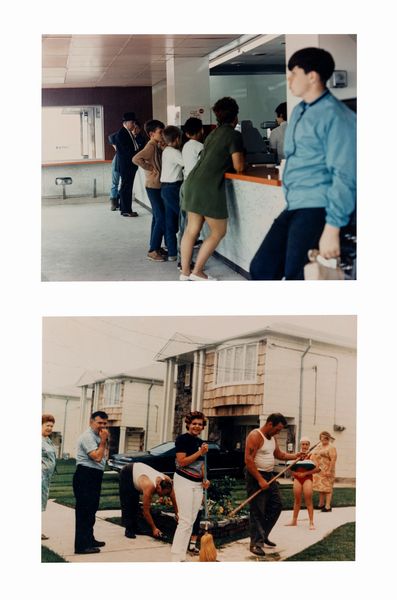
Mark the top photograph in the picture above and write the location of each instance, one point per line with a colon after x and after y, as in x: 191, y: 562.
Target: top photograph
x: 204, y: 157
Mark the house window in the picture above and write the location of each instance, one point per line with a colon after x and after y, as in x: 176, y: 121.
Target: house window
x: 72, y: 133
x: 237, y: 364
x: 112, y: 393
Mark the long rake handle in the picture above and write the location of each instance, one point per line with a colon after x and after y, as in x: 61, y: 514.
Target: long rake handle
x: 272, y: 480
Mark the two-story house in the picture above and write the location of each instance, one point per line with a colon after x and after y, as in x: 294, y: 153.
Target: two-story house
x: 237, y: 382
x: 134, y: 404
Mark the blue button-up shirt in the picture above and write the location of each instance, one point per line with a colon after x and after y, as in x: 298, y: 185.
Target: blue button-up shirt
x: 320, y: 151
x: 88, y: 442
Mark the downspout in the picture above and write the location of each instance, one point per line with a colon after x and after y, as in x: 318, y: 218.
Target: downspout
x: 64, y: 427
x: 301, y: 396
x: 147, y: 413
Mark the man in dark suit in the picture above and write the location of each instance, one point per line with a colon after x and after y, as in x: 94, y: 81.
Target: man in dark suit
x: 128, y: 141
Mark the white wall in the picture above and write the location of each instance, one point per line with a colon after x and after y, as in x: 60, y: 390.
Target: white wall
x: 344, y: 51
x: 328, y: 393
x: 135, y: 404
x: 159, y: 101
x: 256, y: 95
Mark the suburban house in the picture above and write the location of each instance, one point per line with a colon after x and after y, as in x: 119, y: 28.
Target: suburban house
x: 134, y: 404
x: 64, y: 404
x: 237, y: 382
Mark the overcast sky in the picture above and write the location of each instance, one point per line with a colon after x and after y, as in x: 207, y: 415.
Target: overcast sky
x: 73, y: 345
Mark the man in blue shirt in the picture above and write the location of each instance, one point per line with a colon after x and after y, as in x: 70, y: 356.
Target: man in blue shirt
x: 87, y: 481
x: 319, y: 178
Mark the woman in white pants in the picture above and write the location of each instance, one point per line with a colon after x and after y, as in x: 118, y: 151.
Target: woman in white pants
x: 189, y: 481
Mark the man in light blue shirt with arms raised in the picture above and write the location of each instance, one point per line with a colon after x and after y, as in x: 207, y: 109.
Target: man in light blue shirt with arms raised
x: 87, y: 481
x: 319, y: 179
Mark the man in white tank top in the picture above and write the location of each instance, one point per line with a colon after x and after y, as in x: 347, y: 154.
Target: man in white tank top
x: 139, y: 478
x: 261, y: 448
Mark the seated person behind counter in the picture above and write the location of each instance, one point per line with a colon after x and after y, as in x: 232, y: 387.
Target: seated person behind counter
x: 256, y: 151
x: 277, y: 135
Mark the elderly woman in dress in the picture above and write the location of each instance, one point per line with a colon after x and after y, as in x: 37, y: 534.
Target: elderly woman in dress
x: 48, y: 460
x: 325, y: 457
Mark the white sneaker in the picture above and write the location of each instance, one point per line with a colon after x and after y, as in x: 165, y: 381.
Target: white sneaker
x: 183, y: 277
x: 198, y: 278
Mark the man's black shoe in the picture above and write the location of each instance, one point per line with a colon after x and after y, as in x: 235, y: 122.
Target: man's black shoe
x: 97, y: 544
x: 258, y: 550
x: 87, y: 551
x: 130, y: 534
x: 269, y: 543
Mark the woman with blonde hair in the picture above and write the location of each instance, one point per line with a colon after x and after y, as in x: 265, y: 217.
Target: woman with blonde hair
x: 48, y: 460
x: 325, y: 456
x: 302, y: 473
x: 189, y: 481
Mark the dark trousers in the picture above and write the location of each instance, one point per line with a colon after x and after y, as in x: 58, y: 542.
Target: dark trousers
x: 283, y: 252
x: 158, y: 218
x: 170, y: 196
x: 87, y: 483
x: 129, y: 499
x: 265, y: 509
x: 127, y: 173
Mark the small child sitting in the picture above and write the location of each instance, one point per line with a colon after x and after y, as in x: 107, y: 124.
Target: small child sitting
x: 171, y: 180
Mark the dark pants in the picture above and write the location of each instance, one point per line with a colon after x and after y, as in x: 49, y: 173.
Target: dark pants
x: 158, y: 218
x: 170, y: 196
x: 129, y: 499
x: 127, y: 173
x: 283, y: 252
x: 87, y: 483
x: 265, y: 509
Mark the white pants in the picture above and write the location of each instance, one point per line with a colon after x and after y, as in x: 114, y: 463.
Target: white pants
x: 189, y: 496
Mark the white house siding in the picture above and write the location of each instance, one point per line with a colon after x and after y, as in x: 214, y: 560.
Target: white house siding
x: 135, y: 405
x: 328, y: 393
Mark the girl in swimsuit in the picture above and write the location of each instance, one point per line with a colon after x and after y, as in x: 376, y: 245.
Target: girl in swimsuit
x: 303, y: 483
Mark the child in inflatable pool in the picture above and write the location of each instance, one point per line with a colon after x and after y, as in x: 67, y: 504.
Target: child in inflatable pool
x: 302, y: 473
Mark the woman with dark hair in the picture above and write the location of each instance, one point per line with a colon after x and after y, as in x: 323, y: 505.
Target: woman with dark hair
x: 48, y: 460
x: 189, y: 481
x: 203, y: 193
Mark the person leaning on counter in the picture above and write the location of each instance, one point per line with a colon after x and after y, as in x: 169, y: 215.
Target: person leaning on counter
x: 319, y: 178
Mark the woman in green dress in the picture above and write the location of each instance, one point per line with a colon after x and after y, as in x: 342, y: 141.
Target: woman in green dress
x: 204, y: 194
x: 48, y: 460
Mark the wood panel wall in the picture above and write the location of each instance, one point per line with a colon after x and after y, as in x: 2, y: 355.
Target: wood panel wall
x: 233, y: 400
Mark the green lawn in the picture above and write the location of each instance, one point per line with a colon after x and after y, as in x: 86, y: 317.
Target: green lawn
x: 48, y: 556
x: 339, y: 545
x: 61, y: 490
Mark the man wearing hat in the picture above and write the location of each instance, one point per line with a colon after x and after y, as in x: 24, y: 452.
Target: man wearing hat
x: 128, y: 142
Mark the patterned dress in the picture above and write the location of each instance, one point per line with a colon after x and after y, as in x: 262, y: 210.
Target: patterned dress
x: 48, y: 461
x: 323, y: 481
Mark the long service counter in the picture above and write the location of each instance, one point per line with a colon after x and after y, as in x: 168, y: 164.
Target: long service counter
x: 254, y: 199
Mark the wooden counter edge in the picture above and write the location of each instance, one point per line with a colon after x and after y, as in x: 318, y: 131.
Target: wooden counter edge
x: 253, y: 179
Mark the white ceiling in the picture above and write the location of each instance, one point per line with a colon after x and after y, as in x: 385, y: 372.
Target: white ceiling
x: 119, y: 60
x: 140, y: 60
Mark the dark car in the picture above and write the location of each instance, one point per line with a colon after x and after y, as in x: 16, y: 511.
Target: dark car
x: 220, y: 463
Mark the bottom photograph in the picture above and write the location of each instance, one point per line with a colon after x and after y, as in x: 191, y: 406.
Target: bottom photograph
x: 199, y: 439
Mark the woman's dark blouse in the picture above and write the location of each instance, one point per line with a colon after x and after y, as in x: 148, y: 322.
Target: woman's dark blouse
x: 189, y: 444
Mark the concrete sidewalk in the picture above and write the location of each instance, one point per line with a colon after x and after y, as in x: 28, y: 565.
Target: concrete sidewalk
x: 83, y: 240
x: 58, y: 524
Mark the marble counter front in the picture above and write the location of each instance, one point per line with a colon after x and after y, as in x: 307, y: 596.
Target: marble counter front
x: 253, y: 204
